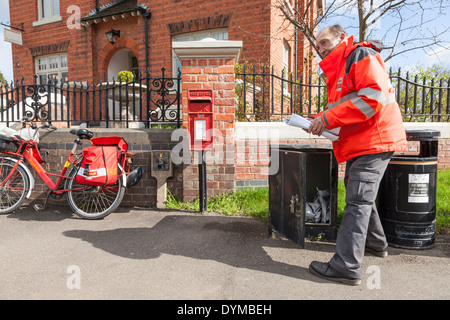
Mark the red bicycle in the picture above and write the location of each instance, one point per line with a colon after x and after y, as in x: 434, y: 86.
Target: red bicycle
x: 87, y: 201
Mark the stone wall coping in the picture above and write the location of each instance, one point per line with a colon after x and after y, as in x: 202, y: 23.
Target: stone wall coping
x: 131, y: 136
x: 243, y: 131
x: 207, y: 48
x: 282, y: 131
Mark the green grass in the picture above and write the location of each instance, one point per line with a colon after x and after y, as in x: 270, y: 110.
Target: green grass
x: 255, y: 202
x: 341, y: 200
x: 246, y: 201
x: 443, y: 201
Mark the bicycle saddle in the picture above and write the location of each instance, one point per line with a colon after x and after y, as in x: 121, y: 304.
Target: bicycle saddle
x: 82, y: 133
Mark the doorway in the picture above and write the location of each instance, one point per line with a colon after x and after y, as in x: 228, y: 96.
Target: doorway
x: 122, y: 60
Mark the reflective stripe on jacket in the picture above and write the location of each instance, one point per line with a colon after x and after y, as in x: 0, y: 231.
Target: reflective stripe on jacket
x: 361, y: 102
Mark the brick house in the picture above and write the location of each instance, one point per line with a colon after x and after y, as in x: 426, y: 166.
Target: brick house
x: 67, y: 40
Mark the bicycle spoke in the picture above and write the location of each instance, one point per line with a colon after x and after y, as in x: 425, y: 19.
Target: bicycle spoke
x: 12, y: 191
x: 94, y: 200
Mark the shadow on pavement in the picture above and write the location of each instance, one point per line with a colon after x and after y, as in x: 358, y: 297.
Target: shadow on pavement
x: 237, y: 242
x: 50, y: 213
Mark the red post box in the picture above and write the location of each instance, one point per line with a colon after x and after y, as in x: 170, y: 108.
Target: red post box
x: 201, y: 119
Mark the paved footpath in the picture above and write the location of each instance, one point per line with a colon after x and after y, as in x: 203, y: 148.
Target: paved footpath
x: 145, y: 254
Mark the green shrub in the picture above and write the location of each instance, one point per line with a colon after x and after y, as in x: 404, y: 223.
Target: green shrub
x: 125, y: 76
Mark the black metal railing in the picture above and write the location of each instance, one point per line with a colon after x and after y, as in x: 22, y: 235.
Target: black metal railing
x: 262, y: 95
x: 143, y: 102
x: 422, y: 98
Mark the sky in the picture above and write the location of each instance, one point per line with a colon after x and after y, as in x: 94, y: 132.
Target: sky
x: 416, y: 23
x: 425, y: 56
x: 5, y: 47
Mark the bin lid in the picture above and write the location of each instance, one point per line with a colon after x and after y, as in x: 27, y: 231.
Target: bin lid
x: 422, y: 134
x: 297, y: 147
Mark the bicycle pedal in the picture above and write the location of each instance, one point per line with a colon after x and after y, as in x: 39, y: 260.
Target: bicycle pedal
x: 38, y: 207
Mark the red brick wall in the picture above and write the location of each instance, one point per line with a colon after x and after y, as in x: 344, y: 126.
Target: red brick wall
x: 306, y: 60
x: 216, y: 74
x: 252, y: 157
x: 444, y: 154
x: 79, y: 51
x: 252, y: 167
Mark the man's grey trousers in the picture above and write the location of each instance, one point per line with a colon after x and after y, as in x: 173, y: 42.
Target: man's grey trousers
x: 361, y: 224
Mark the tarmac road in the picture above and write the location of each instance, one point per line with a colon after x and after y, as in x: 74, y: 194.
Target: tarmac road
x: 146, y: 254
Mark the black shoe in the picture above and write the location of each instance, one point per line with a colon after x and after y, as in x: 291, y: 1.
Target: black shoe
x: 378, y: 253
x: 325, y: 271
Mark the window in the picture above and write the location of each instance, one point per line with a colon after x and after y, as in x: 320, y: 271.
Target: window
x: 49, y: 8
x: 286, y: 69
x: 134, y: 66
x: 286, y: 55
x: 218, y: 34
x: 48, y: 12
x: 54, y: 66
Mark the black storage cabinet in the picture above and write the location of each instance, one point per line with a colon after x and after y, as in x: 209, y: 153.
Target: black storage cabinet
x: 302, y: 169
x: 407, y: 195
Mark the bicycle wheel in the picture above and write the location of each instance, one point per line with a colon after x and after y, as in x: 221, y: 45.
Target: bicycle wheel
x: 94, y: 202
x: 14, y: 190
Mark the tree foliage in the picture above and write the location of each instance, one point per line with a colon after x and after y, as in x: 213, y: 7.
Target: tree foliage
x: 3, y: 81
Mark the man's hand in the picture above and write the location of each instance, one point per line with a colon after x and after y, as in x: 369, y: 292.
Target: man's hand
x: 317, y: 127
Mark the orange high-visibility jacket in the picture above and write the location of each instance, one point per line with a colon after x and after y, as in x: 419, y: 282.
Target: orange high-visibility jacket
x: 361, y: 102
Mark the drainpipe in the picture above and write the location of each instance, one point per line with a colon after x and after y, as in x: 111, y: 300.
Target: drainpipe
x: 296, y: 43
x: 146, y: 15
x: 97, y: 6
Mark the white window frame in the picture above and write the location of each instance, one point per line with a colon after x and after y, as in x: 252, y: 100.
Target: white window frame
x: 218, y: 34
x: 286, y: 58
x: 47, y: 70
x: 52, y: 17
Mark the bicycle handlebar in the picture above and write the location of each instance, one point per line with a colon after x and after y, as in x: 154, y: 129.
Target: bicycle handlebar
x: 36, y: 128
x: 47, y: 126
x: 42, y: 126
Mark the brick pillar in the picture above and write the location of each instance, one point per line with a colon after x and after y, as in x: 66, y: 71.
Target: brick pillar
x: 209, y: 64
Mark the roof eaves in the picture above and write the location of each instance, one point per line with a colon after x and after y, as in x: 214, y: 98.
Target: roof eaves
x: 107, y: 12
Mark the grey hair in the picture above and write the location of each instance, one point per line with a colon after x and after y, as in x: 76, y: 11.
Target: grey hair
x: 336, y: 30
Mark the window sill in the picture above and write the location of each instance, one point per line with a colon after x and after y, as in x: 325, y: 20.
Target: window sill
x: 47, y: 21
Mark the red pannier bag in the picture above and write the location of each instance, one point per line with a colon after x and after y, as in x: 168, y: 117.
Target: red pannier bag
x: 99, y: 166
x: 119, y: 142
